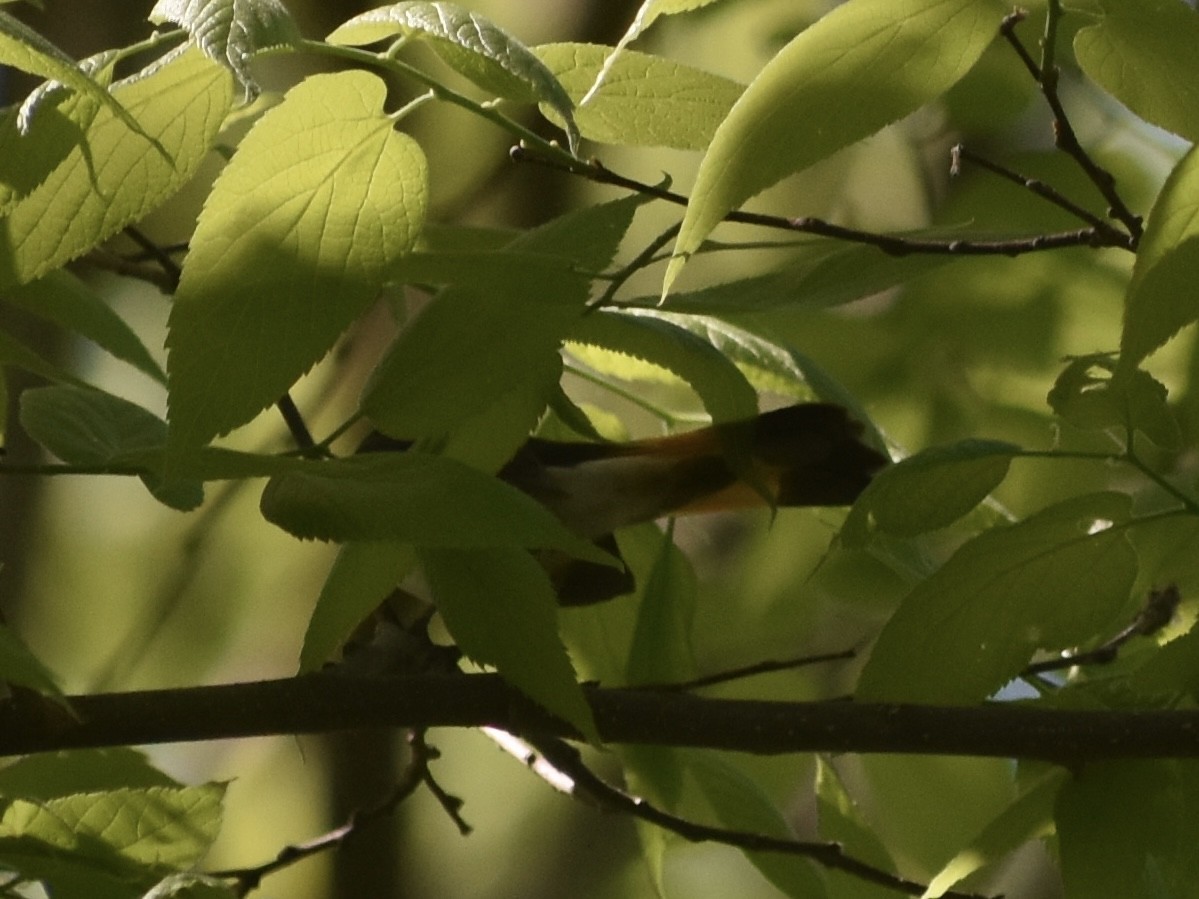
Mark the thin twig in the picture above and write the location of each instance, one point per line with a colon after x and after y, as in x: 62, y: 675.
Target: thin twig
x: 110, y: 262
x: 295, y: 423
x: 640, y: 261
x: 451, y: 804
x: 415, y: 773
x: 169, y: 266
x: 891, y: 244
x: 1047, y: 75
x: 1044, y: 191
x: 765, y: 667
x: 566, y: 759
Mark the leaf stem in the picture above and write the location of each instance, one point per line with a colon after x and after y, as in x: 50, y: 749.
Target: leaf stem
x: 440, y: 91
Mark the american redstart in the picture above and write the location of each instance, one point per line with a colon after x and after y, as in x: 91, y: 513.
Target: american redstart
x: 805, y: 455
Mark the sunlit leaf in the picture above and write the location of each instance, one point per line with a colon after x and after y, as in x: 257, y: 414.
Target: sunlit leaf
x: 1159, y: 299
x: 230, y: 32
x: 501, y: 610
x: 30, y: 151
x: 645, y: 101
x: 189, y: 885
x: 1142, y: 53
x: 125, y: 830
x: 653, y: 337
x: 823, y: 92
x: 116, y: 176
x: 929, y: 490
x: 472, y: 45
x: 1047, y: 583
x: 321, y: 198
x: 651, y: 10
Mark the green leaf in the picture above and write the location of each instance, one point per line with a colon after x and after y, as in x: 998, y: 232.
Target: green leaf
x: 362, y: 576
x: 469, y: 43
x: 1049, y: 583
x: 740, y: 805
x: 501, y: 610
x: 412, y: 498
x: 56, y: 774
x: 31, y: 150
x: 463, y: 353
x: 192, y: 886
x: 1094, y: 393
x: 929, y: 490
x: 651, y: 10
x: 86, y: 426
x: 64, y: 299
x: 1128, y: 854
x: 655, y: 337
x: 322, y: 197
x: 841, y: 822
x: 22, y: 668
x: 115, y: 176
x: 125, y: 833
x: 23, y: 48
x: 661, y: 650
x: 471, y: 346
x: 230, y: 32
x: 1142, y: 52
x: 17, y: 354
x: 644, y: 101
x: 1029, y: 818
x: 1173, y: 670
x: 1159, y: 302
x: 823, y: 92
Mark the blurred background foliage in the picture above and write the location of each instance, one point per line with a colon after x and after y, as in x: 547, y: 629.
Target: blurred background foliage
x: 115, y: 592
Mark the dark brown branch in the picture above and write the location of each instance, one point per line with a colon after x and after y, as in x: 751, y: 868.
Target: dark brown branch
x: 328, y: 701
x: 892, y: 244
x: 1044, y: 191
x: 295, y: 424
x: 566, y: 759
x: 170, y: 268
x: 1047, y: 74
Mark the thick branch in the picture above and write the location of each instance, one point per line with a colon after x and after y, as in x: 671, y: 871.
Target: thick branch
x: 326, y: 702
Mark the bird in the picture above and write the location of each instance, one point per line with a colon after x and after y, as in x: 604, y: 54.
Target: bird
x: 808, y: 454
